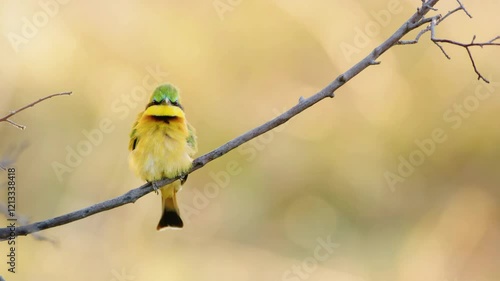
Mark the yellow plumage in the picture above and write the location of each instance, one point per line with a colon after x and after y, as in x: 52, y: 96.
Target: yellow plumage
x: 162, y: 151
x: 162, y: 145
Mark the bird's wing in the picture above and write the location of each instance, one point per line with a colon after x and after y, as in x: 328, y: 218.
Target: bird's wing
x: 191, y: 140
x: 134, y: 138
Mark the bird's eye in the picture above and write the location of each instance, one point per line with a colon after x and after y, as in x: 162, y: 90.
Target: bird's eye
x: 176, y: 103
x: 154, y: 102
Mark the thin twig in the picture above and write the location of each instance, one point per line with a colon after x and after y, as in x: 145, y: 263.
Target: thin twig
x: 438, y: 19
x: 15, y: 124
x: 328, y: 92
x: 415, y: 41
x: 463, y: 8
x: 12, y: 113
x: 435, y: 21
x: 467, y: 47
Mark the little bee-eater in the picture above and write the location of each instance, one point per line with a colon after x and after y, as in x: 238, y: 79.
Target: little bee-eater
x: 162, y: 144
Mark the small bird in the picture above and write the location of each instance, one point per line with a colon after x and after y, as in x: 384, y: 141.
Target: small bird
x: 162, y: 144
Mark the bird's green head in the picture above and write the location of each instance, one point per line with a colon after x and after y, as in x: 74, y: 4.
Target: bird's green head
x: 165, y: 94
x: 165, y: 101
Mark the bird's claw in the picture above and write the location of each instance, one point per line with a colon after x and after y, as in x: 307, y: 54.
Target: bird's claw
x: 183, y: 179
x: 155, y: 187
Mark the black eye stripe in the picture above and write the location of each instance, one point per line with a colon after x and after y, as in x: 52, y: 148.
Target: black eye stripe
x: 153, y: 103
x: 175, y: 103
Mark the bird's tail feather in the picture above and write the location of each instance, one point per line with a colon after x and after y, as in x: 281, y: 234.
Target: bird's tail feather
x: 170, y: 210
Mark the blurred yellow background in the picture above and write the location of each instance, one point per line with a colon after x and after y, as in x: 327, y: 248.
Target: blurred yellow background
x: 395, y: 179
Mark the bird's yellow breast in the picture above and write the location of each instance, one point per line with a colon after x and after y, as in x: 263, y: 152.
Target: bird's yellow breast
x: 161, y: 149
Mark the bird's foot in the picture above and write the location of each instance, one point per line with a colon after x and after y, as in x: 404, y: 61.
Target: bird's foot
x: 183, y: 178
x: 155, y: 187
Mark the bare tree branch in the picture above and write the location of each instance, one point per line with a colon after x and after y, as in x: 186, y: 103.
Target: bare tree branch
x: 436, y: 20
x: 416, y: 20
x: 12, y: 113
x: 23, y: 220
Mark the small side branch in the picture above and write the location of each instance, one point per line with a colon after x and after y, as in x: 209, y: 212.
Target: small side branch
x: 467, y: 47
x: 12, y: 113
